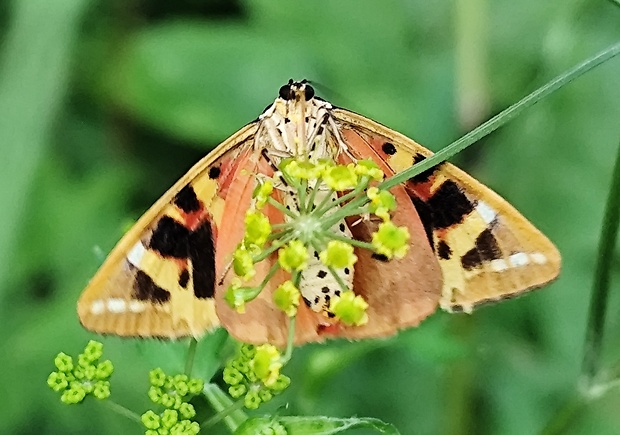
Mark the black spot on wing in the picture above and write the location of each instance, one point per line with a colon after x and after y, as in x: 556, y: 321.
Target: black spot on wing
x: 443, y: 250
x: 380, y: 257
x: 170, y: 238
x: 202, y: 253
x: 388, y: 148
x: 426, y: 216
x: 485, y: 249
x: 214, y: 172
x: 187, y: 200
x: 184, y: 278
x: 144, y: 289
x: 322, y: 274
x: 424, y: 177
x: 448, y: 205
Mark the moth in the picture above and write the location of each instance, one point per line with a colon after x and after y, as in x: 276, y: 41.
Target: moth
x: 166, y: 277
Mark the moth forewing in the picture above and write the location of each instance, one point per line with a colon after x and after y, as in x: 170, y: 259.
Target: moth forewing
x: 151, y: 284
x: 486, y: 249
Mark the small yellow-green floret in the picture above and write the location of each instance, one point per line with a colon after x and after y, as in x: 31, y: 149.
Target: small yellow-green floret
x: 266, y: 364
x: 338, y: 254
x: 370, y: 169
x: 262, y: 193
x: 341, y: 177
x: 243, y: 264
x: 286, y: 298
x: 350, y: 309
x: 390, y: 240
x: 293, y: 256
x: 257, y: 228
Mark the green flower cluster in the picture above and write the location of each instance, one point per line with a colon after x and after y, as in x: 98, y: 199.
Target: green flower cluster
x: 255, y: 374
x: 88, y: 376
x: 326, y: 194
x: 172, y: 392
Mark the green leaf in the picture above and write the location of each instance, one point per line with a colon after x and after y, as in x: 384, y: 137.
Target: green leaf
x: 315, y: 425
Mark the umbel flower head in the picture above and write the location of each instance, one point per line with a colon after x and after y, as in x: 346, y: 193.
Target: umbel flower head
x: 76, y: 380
x: 255, y: 375
x: 173, y: 393
x: 320, y: 196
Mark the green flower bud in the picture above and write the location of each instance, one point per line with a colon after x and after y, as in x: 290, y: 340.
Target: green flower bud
x: 57, y: 381
x: 237, y: 391
x: 169, y: 418
x: 187, y: 410
x: 90, y: 372
x: 252, y: 400
x: 195, y: 385
x: 63, y: 362
x: 150, y: 420
x: 75, y: 394
x: 241, y: 365
x: 247, y: 351
x: 93, y: 350
x: 155, y: 394
x: 265, y: 395
x: 232, y: 376
x: 280, y: 384
x: 101, y: 390
x: 104, y: 370
x: 167, y: 400
x: 157, y: 377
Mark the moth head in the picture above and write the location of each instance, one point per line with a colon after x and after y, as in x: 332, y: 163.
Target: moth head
x: 298, y: 91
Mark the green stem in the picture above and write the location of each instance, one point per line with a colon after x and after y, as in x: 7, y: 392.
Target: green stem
x: 350, y: 209
x: 354, y: 242
x: 322, y: 207
x: 592, y: 384
x: 120, y: 409
x: 191, y: 354
x: 281, y: 207
x: 591, y: 366
x: 226, y: 409
x: 269, y: 275
x: 503, y: 117
x: 564, y: 418
x: 290, y: 341
x: 354, y: 193
x: 287, y: 237
x: 301, y: 194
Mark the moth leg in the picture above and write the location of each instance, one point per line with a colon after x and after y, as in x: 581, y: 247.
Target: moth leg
x: 342, y: 146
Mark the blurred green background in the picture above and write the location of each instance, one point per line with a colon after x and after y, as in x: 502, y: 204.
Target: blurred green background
x: 104, y: 104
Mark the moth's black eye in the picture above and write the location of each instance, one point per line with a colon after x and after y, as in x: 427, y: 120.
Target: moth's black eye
x: 286, y: 92
x: 309, y: 92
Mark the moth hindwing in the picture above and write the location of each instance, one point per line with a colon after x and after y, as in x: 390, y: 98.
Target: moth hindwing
x: 168, y: 275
